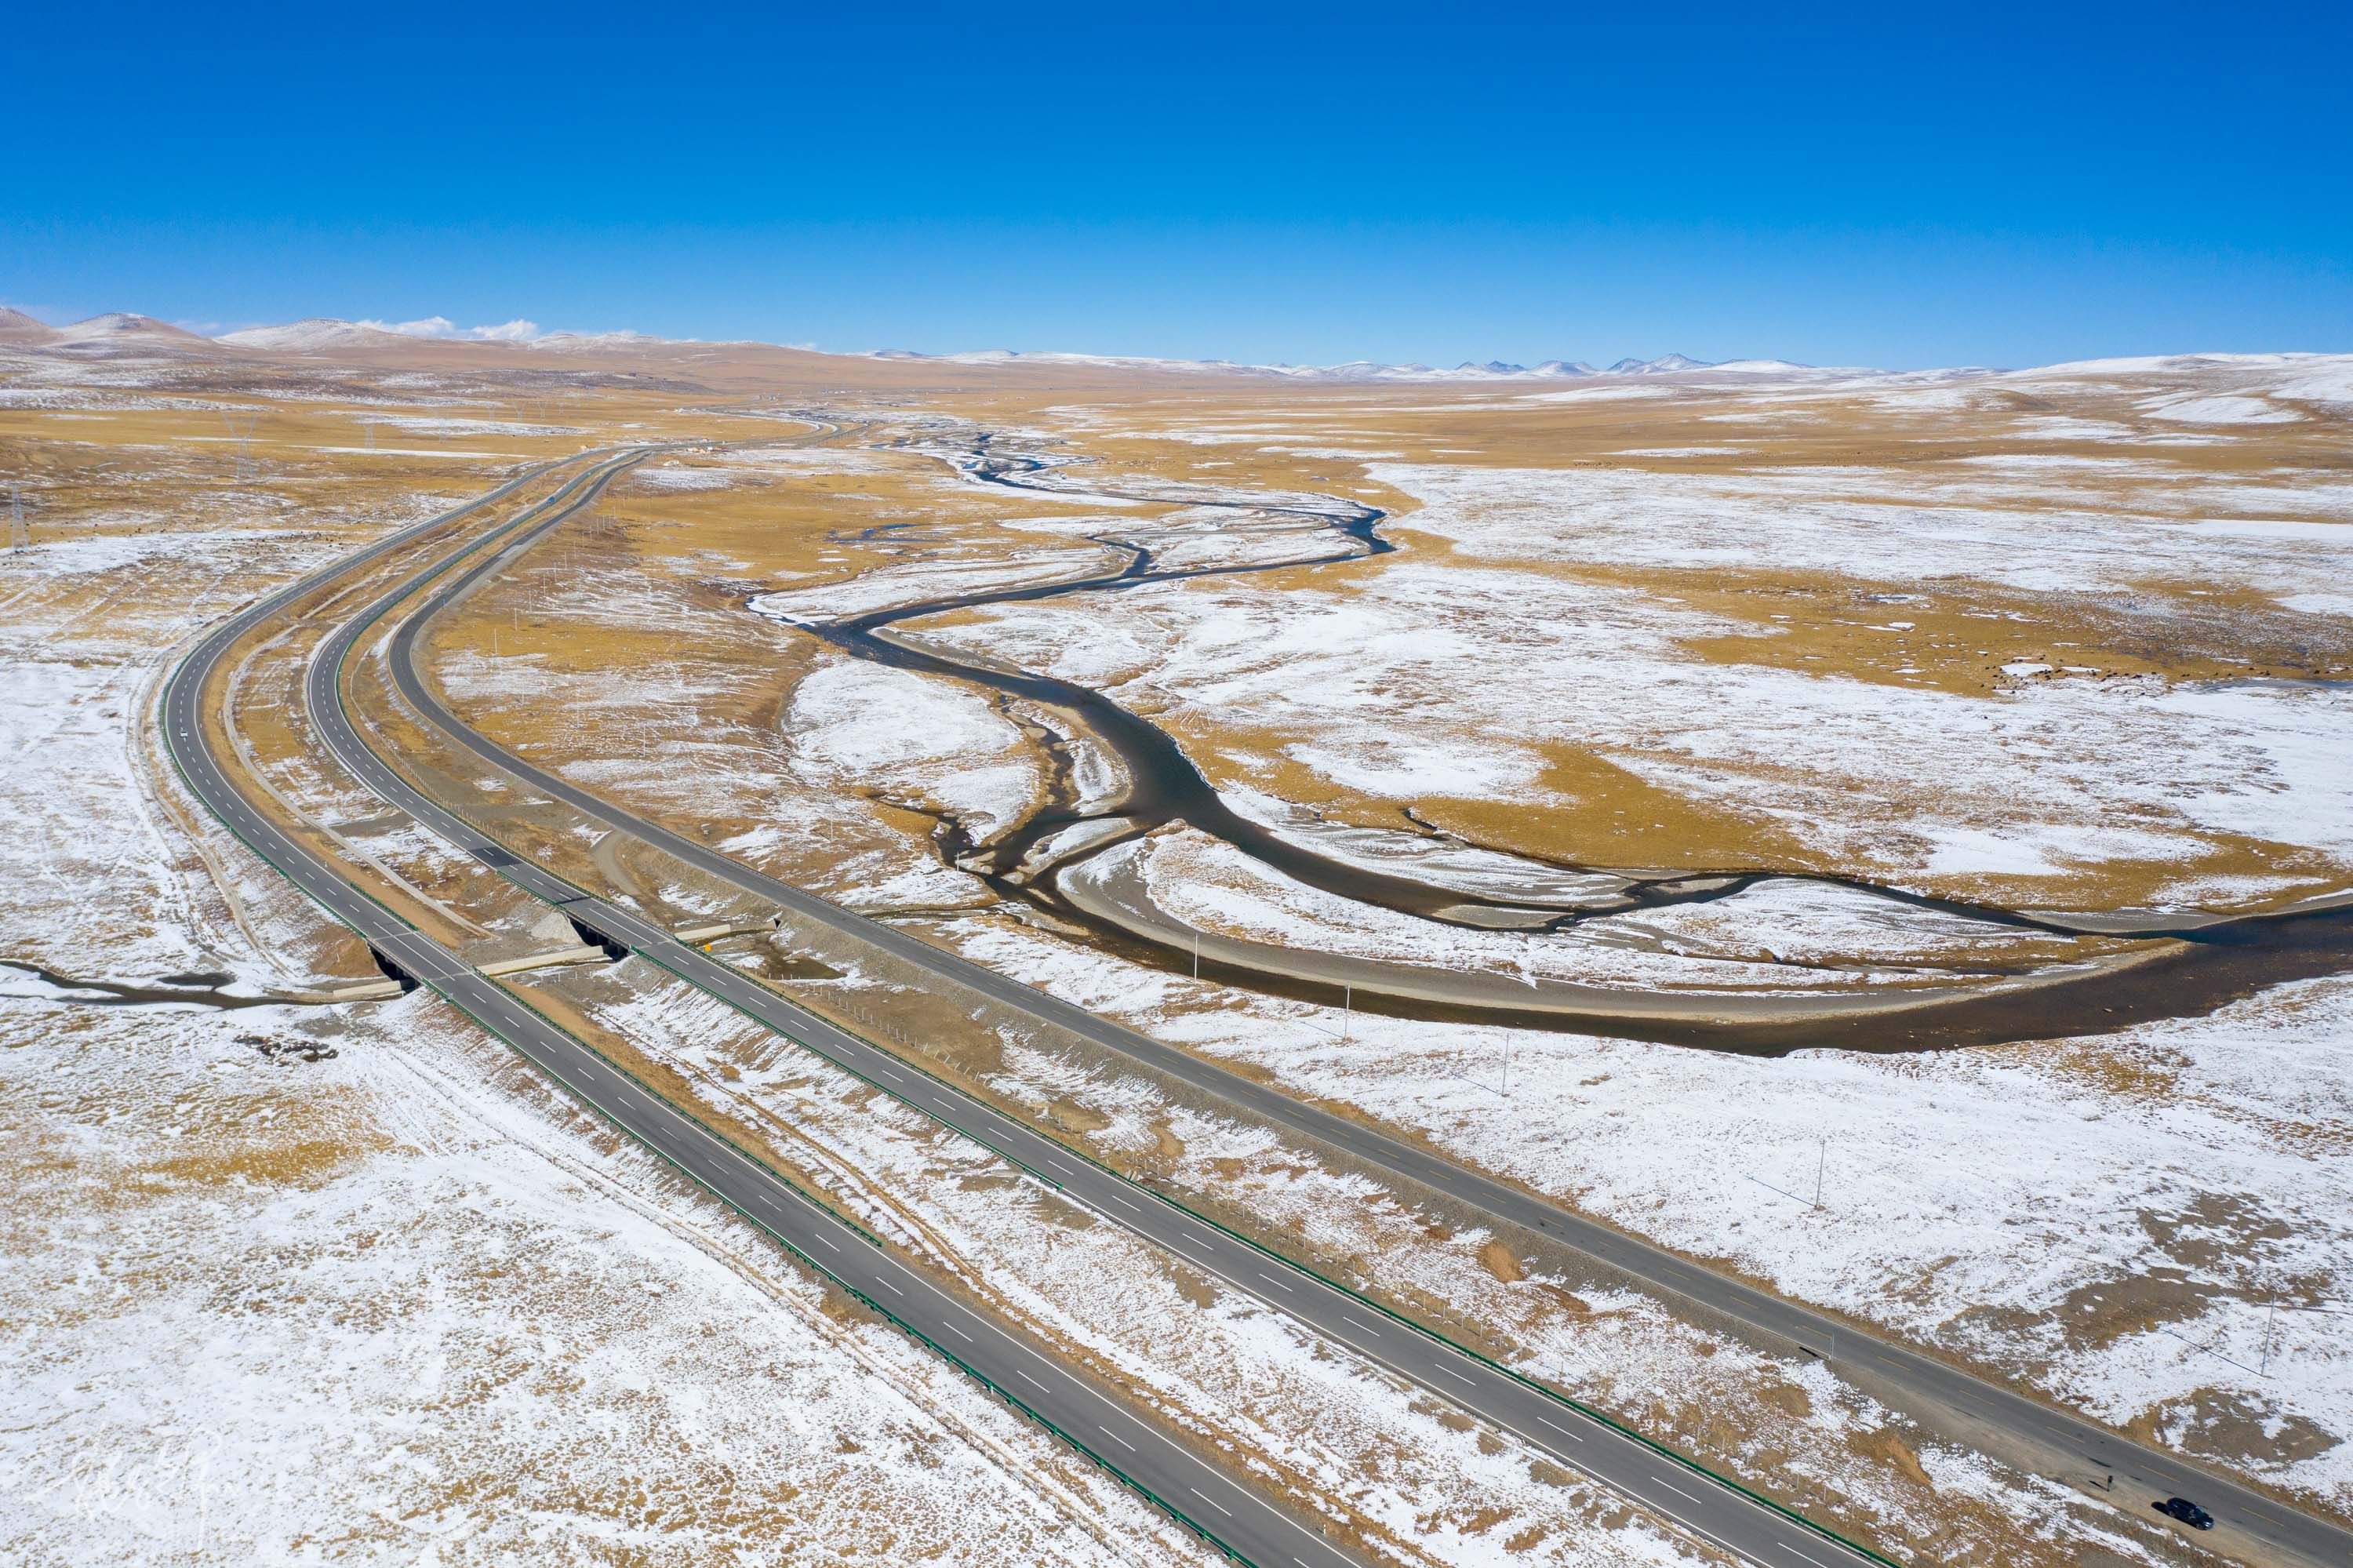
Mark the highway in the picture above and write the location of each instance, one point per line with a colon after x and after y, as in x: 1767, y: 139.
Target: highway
x: 1238, y: 1519
x: 1695, y: 1502
x: 2248, y: 1524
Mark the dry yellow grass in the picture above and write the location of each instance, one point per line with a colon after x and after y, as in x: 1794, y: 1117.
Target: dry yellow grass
x: 698, y: 553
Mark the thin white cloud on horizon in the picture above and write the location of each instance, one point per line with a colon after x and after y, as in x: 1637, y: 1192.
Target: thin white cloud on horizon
x: 516, y: 331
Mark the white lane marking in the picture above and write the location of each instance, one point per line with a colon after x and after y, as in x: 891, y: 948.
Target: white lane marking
x: 959, y: 1334
x: 1116, y: 1198
x: 1368, y: 1327
x: 1278, y: 1284
x: 1212, y: 1501
x: 888, y: 1286
x: 1115, y: 1437
x: 1677, y: 1490
x: 1458, y: 1377
x: 1559, y: 1428
x: 827, y: 1240
x: 1032, y: 1382
x: 1190, y: 1242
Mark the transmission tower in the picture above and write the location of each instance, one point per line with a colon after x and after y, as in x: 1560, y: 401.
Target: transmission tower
x: 242, y: 430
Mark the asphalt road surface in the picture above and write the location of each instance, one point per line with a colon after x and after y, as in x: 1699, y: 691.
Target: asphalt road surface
x: 1694, y: 1500
x: 1237, y: 1517
x: 2247, y: 1524
x: 1241, y: 1521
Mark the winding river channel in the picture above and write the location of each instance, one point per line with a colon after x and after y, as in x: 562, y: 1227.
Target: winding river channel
x: 2145, y: 968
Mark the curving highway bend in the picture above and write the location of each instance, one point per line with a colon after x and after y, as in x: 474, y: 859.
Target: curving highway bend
x: 1238, y: 1519
x: 1243, y: 1520
x: 1692, y: 1499
x: 2248, y: 1524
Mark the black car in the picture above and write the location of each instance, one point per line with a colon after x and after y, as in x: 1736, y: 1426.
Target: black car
x: 2187, y: 1512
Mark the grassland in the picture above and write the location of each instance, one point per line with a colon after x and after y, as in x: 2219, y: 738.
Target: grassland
x: 2023, y: 643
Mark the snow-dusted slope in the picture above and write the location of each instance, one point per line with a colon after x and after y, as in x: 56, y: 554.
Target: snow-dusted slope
x: 1353, y: 370
x: 128, y: 329
x: 2228, y: 389
x: 2216, y: 388
x: 312, y: 333
x: 17, y: 329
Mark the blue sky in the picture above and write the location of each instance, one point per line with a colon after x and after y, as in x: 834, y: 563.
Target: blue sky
x: 1897, y: 186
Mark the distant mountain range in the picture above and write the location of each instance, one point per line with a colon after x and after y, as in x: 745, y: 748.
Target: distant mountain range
x: 1368, y: 370
x: 119, y: 334
x: 115, y: 328
x: 2252, y: 383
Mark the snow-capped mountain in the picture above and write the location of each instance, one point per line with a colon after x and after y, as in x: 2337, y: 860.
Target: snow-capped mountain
x: 312, y: 333
x: 123, y: 331
x: 1665, y: 365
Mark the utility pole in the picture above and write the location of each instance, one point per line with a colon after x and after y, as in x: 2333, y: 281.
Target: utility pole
x: 1197, y: 955
x: 2271, y: 1311
x: 1347, y: 1006
x: 20, y: 532
x: 1821, y: 1165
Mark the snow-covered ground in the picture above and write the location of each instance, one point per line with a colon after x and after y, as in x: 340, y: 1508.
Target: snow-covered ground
x: 858, y: 726
x: 2107, y: 1217
x: 2029, y: 526
x: 2150, y: 1224
x: 401, y: 1300
x: 398, y: 1300
x: 407, y: 1303
x: 1212, y: 887
x: 1436, y: 680
x: 1217, y: 1362
x: 286, y: 1284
